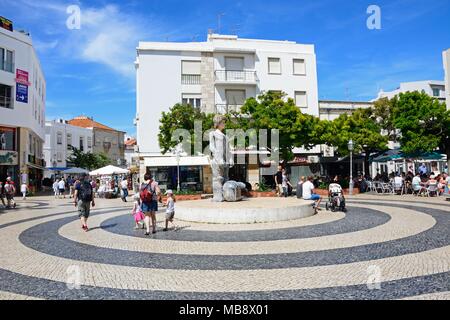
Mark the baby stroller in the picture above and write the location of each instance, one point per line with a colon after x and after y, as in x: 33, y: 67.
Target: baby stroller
x: 336, y: 200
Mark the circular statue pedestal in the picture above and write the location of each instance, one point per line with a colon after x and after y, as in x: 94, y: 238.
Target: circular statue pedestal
x: 251, y: 210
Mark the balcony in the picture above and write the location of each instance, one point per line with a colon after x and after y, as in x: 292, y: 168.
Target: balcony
x: 190, y: 79
x: 227, y: 108
x: 236, y: 76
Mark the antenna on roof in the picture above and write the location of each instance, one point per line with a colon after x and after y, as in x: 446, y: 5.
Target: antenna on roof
x: 219, y: 20
x: 235, y: 29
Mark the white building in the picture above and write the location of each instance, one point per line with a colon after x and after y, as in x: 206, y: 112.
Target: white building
x: 60, y: 138
x: 332, y: 109
x: 216, y: 76
x: 433, y: 88
x: 22, y: 108
x: 446, y: 60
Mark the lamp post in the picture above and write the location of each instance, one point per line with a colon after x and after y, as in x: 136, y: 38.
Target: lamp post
x: 350, y: 148
x: 178, y: 171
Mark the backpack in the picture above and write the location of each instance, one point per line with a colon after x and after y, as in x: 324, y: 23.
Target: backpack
x: 148, y: 194
x: 85, y: 192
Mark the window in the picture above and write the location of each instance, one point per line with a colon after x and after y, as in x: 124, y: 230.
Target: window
x: 192, y: 99
x: 300, y: 99
x: 81, y: 144
x: 59, y: 156
x: 190, y: 72
x: 6, y: 60
x: 7, y: 139
x: 299, y: 67
x: 89, y: 142
x: 59, y: 138
x: 436, y: 92
x: 274, y: 66
x: 69, y: 141
x: 5, y: 96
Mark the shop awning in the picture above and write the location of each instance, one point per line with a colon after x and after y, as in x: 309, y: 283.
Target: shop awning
x: 172, y: 161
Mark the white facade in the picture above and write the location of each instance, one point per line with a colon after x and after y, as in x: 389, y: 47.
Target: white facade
x: 25, y: 114
x: 433, y: 88
x: 217, y: 76
x: 446, y: 60
x: 330, y: 109
x: 60, y: 137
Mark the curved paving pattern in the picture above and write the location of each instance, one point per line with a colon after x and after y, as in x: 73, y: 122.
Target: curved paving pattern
x: 326, y: 256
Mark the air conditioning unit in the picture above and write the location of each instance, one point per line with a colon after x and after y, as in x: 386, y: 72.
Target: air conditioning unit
x: 313, y: 159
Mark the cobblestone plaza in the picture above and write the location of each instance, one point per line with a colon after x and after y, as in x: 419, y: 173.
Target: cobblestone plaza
x: 384, y: 247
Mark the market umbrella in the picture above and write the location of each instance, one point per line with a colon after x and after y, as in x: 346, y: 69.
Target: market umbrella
x: 108, y: 170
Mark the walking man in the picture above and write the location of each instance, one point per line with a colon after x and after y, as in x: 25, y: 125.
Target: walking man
x: 149, y: 193
x: 83, y: 199
x: 279, y: 181
x: 24, y: 190
x: 62, y: 188
x: 124, y: 187
x: 10, y: 191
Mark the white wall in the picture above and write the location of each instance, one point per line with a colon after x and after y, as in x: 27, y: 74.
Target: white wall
x: 158, y: 77
x: 158, y: 89
x: 446, y: 60
x: 52, y: 148
x: 30, y: 115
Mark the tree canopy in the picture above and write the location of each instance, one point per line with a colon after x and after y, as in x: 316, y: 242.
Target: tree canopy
x: 89, y: 161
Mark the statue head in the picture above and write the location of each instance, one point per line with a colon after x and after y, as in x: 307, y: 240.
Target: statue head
x: 219, y: 122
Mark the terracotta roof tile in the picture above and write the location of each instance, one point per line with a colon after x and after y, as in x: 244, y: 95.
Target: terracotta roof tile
x: 86, y: 122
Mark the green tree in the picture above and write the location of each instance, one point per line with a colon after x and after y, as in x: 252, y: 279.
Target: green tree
x: 361, y: 127
x: 423, y: 121
x: 181, y: 116
x: 88, y: 160
x: 271, y: 110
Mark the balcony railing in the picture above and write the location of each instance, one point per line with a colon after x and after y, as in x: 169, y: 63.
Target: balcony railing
x: 236, y: 76
x: 226, y: 108
x: 190, y: 79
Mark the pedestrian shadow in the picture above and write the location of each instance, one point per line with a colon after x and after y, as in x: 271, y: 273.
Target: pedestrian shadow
x: 107, y: 226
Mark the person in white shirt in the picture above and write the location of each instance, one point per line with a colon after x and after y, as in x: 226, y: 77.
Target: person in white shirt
x: 124, y: 187
x: 417, y: 184
x: 56, y: 188
x: 308, y: 192
x: 62, y: 188
x: 24, y: 189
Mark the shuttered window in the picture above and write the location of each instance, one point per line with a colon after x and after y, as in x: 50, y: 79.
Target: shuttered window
x: 190, y: 67
x: 274, y: 66
x: 299, y: 67
x: 300, y: 99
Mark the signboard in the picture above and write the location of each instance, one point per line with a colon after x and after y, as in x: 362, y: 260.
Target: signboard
x: 8, y: 158
x: 22, y: 77
x: 6, y: 24
x: 21, y: 93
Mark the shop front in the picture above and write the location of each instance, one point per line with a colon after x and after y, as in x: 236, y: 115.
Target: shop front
x: 188, y: 170
x: 9, y: 157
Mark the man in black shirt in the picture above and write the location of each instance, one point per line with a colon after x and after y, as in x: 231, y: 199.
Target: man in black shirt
x: 279, y: 181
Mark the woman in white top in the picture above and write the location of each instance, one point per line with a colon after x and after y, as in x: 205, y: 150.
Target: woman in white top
x: 24, y: 189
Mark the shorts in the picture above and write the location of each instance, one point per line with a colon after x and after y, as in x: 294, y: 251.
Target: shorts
x: 84, y: 208
x: 170, y: 215
x: 315, y: 197
x: 62, y: 190
x: 150, y: 207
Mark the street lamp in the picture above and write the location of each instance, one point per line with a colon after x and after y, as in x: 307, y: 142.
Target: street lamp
x: 350, y: 148
x: 178, y: 150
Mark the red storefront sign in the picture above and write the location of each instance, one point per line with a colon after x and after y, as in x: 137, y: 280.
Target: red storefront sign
x: 22, y: 77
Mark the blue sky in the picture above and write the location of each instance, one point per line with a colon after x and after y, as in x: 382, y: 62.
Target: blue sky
x: 90, y: 71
